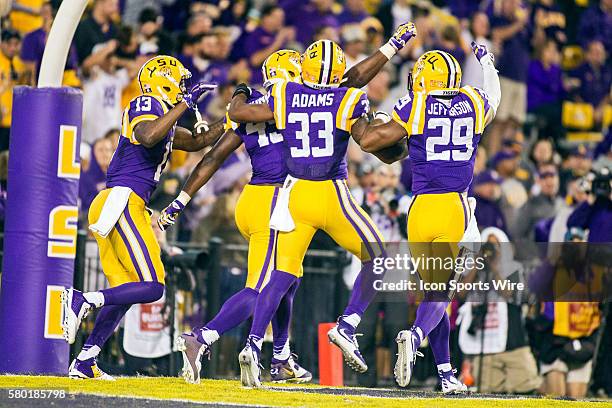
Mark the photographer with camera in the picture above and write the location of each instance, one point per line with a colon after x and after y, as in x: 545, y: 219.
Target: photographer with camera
x: 492, y: 328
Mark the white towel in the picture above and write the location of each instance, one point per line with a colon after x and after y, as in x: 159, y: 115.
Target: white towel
x: 471, y: 237
x: 113, y: 208
x: 281, y: 219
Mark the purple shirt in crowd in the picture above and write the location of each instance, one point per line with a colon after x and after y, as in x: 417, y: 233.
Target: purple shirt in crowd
x: 594, y: 83
x: 595, y: 24
x: 544, y: 86
x: 256, y: 41
x: 33, y: 46
x: 513, y: 60
x: 91, y: 183
x: 348, y: 17
x: 306, y: 19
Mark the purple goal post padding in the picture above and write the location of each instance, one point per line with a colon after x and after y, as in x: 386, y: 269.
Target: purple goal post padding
x: 40, y: 228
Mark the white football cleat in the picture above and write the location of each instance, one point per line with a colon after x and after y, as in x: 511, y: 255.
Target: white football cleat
x: 406, y: 357
x: 450, y: 383
x: 347, y: 342
x: 75, y: 308
x: 249, y: 368
x: 192, y: 351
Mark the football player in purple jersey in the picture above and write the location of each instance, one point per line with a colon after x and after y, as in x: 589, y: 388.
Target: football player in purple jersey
x: 262, y: 142
x: 129, y: 252
x: 315, y: 119
x: 443, y: 123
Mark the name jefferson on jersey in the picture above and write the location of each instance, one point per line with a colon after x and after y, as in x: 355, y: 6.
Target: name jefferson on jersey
x: 443, y: 138
x: 134, y: 165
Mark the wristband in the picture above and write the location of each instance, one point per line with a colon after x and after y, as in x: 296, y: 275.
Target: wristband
x: 388, y: 50
x: 183, y: 198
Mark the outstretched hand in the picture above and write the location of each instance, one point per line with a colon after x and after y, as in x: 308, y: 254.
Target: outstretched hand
x: 195, y: 93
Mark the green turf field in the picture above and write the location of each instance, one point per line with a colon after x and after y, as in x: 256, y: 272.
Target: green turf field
x: 223, y: 391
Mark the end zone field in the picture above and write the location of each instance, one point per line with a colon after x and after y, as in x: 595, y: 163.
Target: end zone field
x: 174, y: 392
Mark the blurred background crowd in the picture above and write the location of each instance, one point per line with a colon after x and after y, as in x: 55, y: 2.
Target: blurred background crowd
x: 540, y: 171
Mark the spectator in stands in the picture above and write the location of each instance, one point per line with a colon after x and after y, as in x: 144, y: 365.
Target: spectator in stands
x: 487, y: 192
x: 545, y: 90
x: 270, y: 36
x: 153, y: 38
x: 307, y: 16
x: 353, y: 44
x: 594, y: 78
x: 93, y: 177
x: 577, y: 164
x: 478, y: 32
x: 596, y: 24
x: 98, y: 28
x: 25, y: 15
x: 451, y: 42
x: 566, y: 350
x: 12, y: 72
x: 132, y: 10
x: 511, y: 36
x: 33, y: 47
x: 354, y: 11
x: 492, y: 328
x: 513, y: 193
x: 542, y: 205
x: 102, y: 95
x: 548, y: 23
x: 542, y: 152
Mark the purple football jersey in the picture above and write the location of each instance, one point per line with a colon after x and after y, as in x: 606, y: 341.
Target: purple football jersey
x: 316, y: 125
x: 263, y: 144
x: 134, y: 165
x: 443, y: 138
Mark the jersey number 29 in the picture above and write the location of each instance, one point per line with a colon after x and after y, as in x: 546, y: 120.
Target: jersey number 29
x: 459, y: 131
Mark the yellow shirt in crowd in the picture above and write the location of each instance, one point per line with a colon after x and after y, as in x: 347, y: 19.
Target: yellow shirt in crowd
x: 7, y: 83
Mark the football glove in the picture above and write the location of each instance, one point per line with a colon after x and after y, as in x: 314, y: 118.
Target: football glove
x: 195, y: 93
x: 480, y: 51
x: 242, y: 89
x: 402, y: 35
x: 169, y: 214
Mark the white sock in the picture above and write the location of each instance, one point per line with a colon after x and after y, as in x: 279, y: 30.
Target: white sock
x: 210, y: 336
x: 444, y: 367
x: 258, y: 342
x: 419, y: 333
x: 93, y: 351
x: 95, y: 298
x: 285, y: 353
x: 352, y: 319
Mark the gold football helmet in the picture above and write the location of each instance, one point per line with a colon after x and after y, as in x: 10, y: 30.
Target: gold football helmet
x: 283, y: 65
x: 323, y: 65
x: 437, y: 73
x: 164, y: 76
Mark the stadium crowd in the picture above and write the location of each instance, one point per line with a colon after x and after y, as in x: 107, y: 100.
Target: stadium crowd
x: 536, y: 169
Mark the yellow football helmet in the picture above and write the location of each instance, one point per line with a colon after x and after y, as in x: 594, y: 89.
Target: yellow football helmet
x: 323, y: 65
x: 437, y: 73
x: 283, y: 65
x: 164, y: 76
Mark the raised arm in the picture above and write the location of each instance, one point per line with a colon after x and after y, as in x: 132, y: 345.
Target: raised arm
x: 192, y: 141
x: 362, y: 73
x: 202, y: 173
x: 242, y: 112
x: 490, y: 85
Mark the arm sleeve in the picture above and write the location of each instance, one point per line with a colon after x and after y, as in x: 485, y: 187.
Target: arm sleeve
x: 354, y: 105
x: 491, y: 84
x: 142, y: 109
